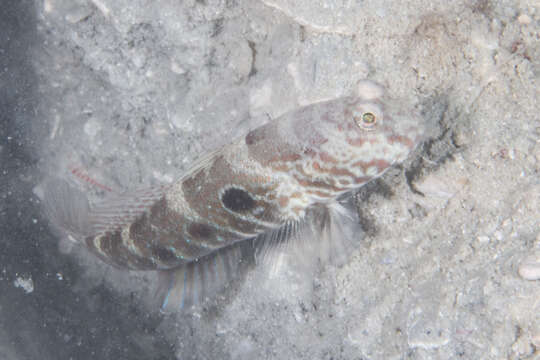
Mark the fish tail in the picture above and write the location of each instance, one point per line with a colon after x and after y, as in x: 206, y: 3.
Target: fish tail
x: 66, y: 207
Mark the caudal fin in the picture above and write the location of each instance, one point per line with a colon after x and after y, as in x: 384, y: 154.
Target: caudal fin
x: 66, y: 207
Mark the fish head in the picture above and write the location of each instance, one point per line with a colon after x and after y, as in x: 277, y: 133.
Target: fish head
x: 375, y: 132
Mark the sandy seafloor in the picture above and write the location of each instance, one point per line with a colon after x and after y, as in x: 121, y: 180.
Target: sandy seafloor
x: 132, y: 92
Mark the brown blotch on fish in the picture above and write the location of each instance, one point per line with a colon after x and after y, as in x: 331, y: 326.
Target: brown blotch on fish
x: 140, y: 230
x: 309, y: 152
x: 163, y: 254
x: 362, y: 180
x: 109, y: 246
x: 330, y: 183
x: 255, y: 136
x: 296, y: 195
x: 158, y: 215
x: 283, y: 201
x: 319, y: 184
x: 403, y: 140
x: 360, y: 141
x: 379, y: 163
x: 110, y: 242
x: 285, y: 157
x: 201, y: 231
x: 327, y: 158
x: 321, y: 194
x: 161, y: 228
x: 237, y: 200
x: 229, y: 200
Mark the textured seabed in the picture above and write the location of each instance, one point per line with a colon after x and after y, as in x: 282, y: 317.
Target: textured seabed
x: 132, y: 92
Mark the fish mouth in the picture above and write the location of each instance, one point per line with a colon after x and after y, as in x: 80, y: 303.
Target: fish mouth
x: 404, y: 134
x: 409, y: 129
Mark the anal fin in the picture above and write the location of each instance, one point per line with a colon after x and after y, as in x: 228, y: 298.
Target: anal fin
x: 195, y: 282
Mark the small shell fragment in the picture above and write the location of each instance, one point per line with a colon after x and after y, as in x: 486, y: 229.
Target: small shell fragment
x: 529, y: 268
x: 524, y: 19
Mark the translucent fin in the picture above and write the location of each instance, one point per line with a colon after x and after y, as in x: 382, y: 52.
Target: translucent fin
x: 79, y: 173
x: 195, y: 282
x: 119, y: 210
x: 66, y: 207
x: 203, y: 162
x: 69, y: 209
x: 293, y: 237
x: 339, y: 231
x: 329, y: 233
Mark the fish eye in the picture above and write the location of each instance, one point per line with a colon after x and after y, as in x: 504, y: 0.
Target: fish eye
x: 366, y: 120
x: 367, y: 116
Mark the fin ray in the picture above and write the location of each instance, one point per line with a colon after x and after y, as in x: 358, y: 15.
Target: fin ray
x: 119, y: 210
x: 67, y: 208
x: 340, y: 233
x: 328, y: 233
x: 195, y: 282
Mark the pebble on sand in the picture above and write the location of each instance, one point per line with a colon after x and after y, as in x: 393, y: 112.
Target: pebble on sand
x: 529, y: 268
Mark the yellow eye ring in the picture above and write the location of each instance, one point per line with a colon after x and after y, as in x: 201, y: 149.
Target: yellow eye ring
x: 368, y: 118
x: 366, y: 121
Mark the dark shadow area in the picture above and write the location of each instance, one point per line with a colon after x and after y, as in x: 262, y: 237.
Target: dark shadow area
x: 53, y: 321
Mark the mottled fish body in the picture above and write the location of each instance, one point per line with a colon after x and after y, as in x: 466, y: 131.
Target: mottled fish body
x: 263, y: 183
